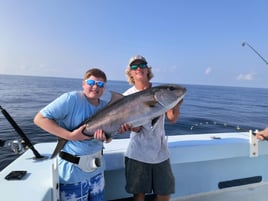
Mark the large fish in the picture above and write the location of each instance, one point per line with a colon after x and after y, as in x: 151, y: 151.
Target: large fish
x: 135, y: 109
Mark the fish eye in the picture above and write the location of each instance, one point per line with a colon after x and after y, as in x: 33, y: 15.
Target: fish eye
x: 171, y: 88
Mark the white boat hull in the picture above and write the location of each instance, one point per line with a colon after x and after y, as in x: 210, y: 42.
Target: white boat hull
x: 202, y: 164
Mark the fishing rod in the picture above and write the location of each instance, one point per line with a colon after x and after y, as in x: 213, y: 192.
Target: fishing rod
x: 245, y: 43
x: 25, y: 139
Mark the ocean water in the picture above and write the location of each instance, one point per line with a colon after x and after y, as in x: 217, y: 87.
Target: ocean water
x: 206, y: 109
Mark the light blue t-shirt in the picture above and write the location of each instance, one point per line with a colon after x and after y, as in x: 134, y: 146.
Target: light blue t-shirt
x: 70, y: 110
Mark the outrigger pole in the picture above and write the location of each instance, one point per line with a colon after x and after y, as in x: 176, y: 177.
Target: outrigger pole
x: 245, y: 43
x: 20, y: 132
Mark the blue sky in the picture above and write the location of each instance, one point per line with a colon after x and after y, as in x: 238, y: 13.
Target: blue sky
x: 185, y: 41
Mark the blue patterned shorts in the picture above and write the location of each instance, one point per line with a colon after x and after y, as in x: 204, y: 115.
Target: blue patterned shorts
x: 91, y: 189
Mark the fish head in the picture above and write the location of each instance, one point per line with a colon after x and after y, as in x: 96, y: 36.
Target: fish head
x: 169, y: 95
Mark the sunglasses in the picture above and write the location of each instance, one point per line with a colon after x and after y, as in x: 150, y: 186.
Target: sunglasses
x: 91, y: 83
x: 135, y: 66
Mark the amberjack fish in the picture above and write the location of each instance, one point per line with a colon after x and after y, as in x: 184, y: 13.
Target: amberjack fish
x: 135, y: 109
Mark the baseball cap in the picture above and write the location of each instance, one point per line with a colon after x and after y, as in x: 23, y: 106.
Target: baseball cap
x: 137, y: 58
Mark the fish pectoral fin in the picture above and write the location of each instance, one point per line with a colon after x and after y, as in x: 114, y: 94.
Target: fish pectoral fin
x: 115, y: 97
x: 154, y: 121
x: 150, y: 103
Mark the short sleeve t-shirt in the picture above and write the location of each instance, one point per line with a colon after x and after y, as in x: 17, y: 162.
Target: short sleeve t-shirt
x: 150, y: 144
x: 70, y: 110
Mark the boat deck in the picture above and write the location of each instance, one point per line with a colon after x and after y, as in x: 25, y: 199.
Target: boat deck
x: 250, y: 192
x: 256, y: 192
x: 211, y: 167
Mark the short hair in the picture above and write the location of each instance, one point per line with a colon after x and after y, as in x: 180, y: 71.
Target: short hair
x: 95, y: 72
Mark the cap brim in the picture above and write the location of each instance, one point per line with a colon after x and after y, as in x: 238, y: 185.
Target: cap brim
x: 138, y: 60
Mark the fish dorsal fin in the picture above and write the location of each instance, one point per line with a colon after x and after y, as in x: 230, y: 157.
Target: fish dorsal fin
x: 115, y: 97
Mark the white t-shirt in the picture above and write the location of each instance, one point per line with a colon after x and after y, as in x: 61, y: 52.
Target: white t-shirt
x: 150, y: 144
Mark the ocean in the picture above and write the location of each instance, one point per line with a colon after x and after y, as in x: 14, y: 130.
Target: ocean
x: 206, y: 109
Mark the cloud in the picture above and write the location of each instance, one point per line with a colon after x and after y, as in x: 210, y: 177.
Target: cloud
x: 173, y: 68
x: 208, y: 71
x: 248, y: 76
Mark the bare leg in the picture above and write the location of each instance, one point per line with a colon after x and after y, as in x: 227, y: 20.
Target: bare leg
x: 162, y: 198
x: 139, y: 197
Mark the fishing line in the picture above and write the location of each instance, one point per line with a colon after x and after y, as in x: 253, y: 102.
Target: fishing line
x: 214, y: 123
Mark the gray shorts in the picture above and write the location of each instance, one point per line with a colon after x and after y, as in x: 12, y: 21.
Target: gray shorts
x: 147, y: 178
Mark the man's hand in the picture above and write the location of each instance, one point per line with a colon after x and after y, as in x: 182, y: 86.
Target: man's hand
x: 262, y: 135
x: 127, y: 127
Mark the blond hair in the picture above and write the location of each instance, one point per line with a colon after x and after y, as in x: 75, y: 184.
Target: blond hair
x: 130, y: 79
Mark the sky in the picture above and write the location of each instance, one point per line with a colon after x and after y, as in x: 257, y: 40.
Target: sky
x: 184, y: 41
